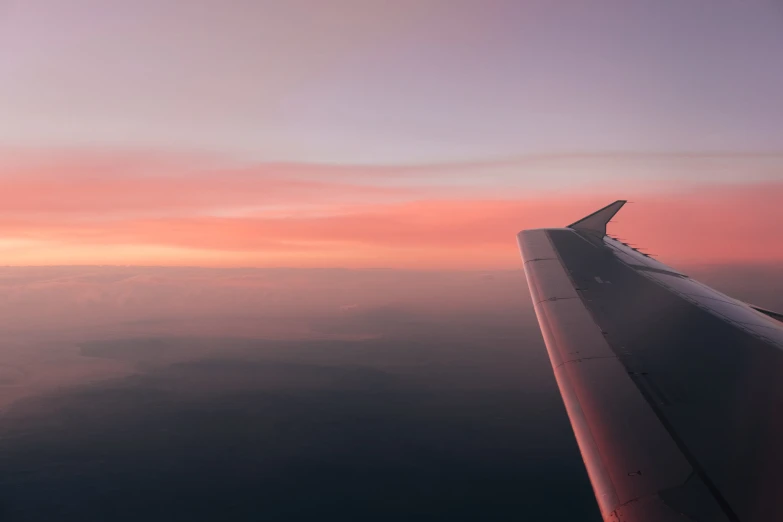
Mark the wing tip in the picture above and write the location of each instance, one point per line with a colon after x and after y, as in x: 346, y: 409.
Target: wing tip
x: 596, y: 222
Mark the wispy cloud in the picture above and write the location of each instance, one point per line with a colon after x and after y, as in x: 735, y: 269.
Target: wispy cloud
x: 130, y: 209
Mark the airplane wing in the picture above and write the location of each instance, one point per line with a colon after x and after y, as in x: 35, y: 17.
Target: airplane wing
x: 674, y: 390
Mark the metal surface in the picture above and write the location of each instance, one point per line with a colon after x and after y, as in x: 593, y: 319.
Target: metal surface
x: 619, y: 435
x: 597, y: 221
x: 674, y: 396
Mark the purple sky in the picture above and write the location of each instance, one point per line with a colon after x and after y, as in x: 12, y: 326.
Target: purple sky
x: 392, y: 82
x: 363, y: 133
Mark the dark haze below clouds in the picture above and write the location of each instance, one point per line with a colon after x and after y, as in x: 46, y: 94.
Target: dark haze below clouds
x: 277, y: 394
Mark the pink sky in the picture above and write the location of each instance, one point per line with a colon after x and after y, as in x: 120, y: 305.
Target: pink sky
x: 151, y: 210
x: 384, y: 134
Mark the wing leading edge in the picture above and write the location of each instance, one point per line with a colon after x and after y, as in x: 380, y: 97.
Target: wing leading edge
x: 673, y: 389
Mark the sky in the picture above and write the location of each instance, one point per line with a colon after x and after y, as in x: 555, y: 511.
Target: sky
x: 310, y: 210
x: 409, y: 134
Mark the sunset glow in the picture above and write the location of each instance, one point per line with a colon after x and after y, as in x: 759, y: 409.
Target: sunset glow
x: 128, y: 211
x: 367, y: 134
x: 265, y: 260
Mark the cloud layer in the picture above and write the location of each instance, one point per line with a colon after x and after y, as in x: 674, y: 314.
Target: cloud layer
x: 152, y: 210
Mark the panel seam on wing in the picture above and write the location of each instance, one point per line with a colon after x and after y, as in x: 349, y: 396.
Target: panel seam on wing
x: 585, y: 359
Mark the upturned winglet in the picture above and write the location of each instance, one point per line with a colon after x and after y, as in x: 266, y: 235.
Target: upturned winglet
x: 596, y: 222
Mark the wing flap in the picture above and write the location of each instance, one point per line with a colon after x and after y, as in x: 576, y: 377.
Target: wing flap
x: 548, y: 281
x: 570, y: 315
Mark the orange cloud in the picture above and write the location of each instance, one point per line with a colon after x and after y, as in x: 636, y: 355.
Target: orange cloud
x: 197, y: 192
x: 114, y: 209
x: 724, y: 224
